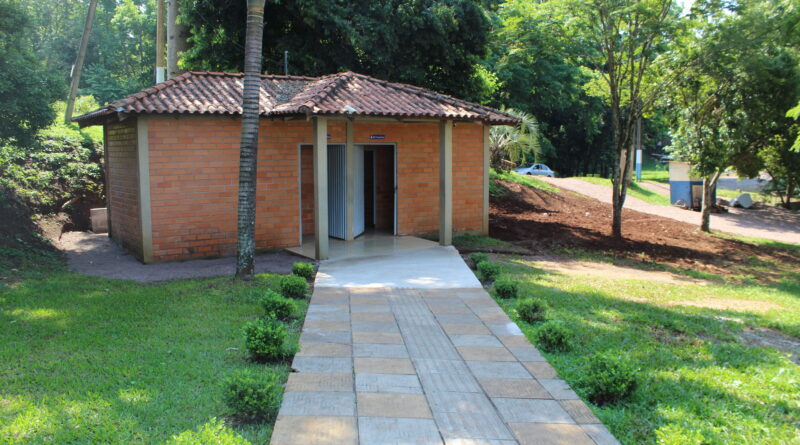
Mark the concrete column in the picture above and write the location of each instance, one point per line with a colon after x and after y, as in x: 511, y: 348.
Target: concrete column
x: 446, y: 183
x: 320, y: 138
x: 485, y: 209
x: 145, y: 210
x: 350, y: 159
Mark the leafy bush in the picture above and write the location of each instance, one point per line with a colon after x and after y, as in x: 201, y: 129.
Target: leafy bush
x: 293, y: 286
x: 277, y: 307
x: 608, y: 380
x: 266, y: 340
x: 254, y: 396
x: 506, y: 288
x: 61, y: 163
x: 305, y: 270
x: 212, y: 433
x: 478, y: 257
x: 531, y: 310
x: 553, y: 336
x: 488, y: 271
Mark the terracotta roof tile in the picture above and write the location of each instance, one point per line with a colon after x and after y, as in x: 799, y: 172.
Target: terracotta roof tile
x: 336, y: 94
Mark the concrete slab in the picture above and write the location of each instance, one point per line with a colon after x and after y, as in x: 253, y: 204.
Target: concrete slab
x: 318, y: 404
x: 531, y: 410
x: 438, y: 267
x: 372, y: 404
x: 391, y: 383
x: 315, y: 382
x: 550, y: 434
x: 317, y: 430
x: 397, y: 431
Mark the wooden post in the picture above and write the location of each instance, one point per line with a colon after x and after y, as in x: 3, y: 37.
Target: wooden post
x: 446, y: 183
x: 76, y: 71
x: 320, y: 138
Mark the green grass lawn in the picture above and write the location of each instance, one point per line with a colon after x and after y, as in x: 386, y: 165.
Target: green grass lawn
x: 91, y: 360
x: 635, y: 190
x: 698, y: 384
x: 652, y: 170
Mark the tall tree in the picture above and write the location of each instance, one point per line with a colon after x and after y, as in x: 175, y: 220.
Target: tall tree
x: 248, y: 156
x: 26, y: 88
x: 625, y: 39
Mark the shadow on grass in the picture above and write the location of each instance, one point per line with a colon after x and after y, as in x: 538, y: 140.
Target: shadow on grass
x: 696, y: 378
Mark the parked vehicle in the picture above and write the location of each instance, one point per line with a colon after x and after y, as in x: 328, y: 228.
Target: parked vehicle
x: 536, y: 170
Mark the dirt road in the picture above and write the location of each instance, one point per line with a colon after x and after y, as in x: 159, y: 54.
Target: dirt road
x: 769, y: 223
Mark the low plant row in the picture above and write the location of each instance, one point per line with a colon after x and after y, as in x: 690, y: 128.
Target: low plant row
x: 254, y: 395
x: 607, y: 379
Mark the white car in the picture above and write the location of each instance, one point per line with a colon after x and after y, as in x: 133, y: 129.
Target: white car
x: 536, y: 170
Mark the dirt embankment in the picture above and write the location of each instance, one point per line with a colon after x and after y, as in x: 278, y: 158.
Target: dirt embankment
x: 541, y: 221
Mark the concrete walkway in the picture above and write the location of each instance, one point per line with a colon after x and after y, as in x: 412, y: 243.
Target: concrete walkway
x: 773, y: 224
x: 410, y: 349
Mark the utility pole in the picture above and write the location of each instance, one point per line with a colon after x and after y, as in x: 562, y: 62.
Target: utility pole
x: 76, y: 70
x: 161, y: 70
x: 176, y: 39
x: 286, y: 63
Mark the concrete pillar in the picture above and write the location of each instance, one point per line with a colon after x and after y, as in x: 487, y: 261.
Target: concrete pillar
x: 446, y: 183
x: 320, y: 138
x: 485, y: 208
x: 350, y: 159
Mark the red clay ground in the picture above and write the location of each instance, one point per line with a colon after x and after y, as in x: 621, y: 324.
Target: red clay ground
x: 542, y: 221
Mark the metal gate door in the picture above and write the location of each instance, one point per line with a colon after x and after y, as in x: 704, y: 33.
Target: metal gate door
x: 337, y: 192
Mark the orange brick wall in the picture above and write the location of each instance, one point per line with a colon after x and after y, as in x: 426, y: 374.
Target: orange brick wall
x: 467, y: 178
x: 194, y: 164
x: 194, y: 181
x: 123, y: 185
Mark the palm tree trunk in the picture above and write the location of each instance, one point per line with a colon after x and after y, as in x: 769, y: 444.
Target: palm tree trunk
x: 248, y: 152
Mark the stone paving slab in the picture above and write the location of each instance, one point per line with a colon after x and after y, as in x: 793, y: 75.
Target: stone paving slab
x: 382, y: 365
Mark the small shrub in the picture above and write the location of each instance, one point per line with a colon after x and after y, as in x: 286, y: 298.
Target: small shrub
x: 506, y: 288
x: 266, y: 340
x: 292, y: 286
x: 608, y: 380
x: 253, y: 396
x: 531, y: 310
x: 277, y: 307
x: 553, y: 336
x: 214, y: 432
x: 305, y: 270
x: 478, y: 257
x: 488, y: 271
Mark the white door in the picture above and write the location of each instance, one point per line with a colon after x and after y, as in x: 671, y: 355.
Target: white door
x: 337, y: 192
x: 358, y: 198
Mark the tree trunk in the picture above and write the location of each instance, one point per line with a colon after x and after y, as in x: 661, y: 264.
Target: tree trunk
x: 789, y: 192
x: 177, y: 35
x: 76, y: 72
x: 248, y: 152
x: 705, y: 209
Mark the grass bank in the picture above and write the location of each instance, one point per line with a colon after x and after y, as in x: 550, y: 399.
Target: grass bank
x: 635, y: 190
x: 699, y: 380
x: 91, y: 360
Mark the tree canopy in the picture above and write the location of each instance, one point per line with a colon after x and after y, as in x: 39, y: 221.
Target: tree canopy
x: 431, y: 43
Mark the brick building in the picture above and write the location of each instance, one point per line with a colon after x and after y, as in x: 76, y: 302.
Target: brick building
x: 397, y: 158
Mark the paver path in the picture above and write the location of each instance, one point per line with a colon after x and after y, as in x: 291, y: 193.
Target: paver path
x: 774, y: 224
x: 422, y: 364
